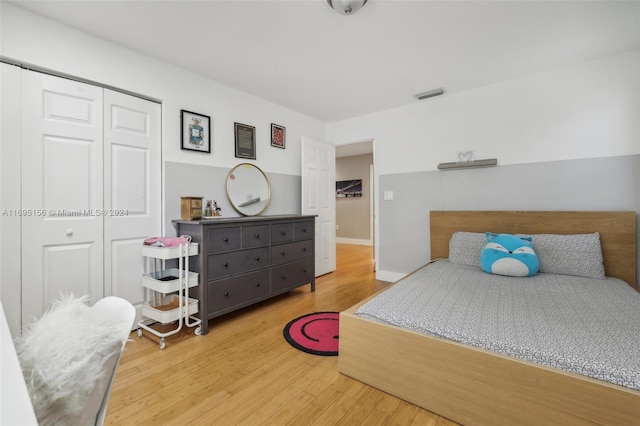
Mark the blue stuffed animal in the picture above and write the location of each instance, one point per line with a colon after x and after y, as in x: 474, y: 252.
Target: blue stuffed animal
x: 506, y: 254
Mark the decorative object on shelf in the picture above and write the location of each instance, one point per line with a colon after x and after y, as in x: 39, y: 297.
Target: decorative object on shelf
x: 245, y: 138
x: 315, y: 333
x: 248, y: 189
x: 212, y: 210
x: 465, y: 156
x: 196, y: 131
x: 468, y: 164
x: 278, y: 135
x: 190, y: 208
x: 349, y: 188
x: 346, y: 7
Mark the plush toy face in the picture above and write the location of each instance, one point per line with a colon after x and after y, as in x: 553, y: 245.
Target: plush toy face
x: 506, y: 254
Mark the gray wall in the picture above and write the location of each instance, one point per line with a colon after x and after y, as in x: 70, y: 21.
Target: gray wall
x: 611, y: 183
x: 353, y: 214
x: 210, y: 183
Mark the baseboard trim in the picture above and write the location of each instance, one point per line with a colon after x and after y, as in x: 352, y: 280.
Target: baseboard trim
x: 355, y: 241
x: 389, y: 276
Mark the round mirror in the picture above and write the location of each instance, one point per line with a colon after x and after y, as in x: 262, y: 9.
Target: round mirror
x: 248, y: 189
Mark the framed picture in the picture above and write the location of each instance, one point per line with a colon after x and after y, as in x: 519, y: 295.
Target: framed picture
x: 245, y: 137
x: 349, y: 188
x: 278, y: 135
x: 196, y: 131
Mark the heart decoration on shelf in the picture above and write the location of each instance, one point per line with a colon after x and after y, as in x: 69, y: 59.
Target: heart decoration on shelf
x: 465, y: 156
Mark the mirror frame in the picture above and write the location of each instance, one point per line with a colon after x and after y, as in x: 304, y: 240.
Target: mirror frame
x: 235, y: 203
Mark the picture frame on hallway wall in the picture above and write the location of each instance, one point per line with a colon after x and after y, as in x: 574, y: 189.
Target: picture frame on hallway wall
x: 196, y: 131
x: 349, y: 188
x: 278, y: 136
x: 245, y: 139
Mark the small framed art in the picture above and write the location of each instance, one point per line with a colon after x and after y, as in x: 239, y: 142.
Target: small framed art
x: 196, y: 131
x: 245, y: 137
x: 349, y: 188
x: 278, y: 135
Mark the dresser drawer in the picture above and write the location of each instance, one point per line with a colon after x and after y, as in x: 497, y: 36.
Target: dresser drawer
x: 223, y: 239
x: 255, y: 236
x: 302, y: 230
x: 281, y: 233
x: 237, y: 290
x: 289, y: 252
x: 225, y: 264
x: 292, y: 275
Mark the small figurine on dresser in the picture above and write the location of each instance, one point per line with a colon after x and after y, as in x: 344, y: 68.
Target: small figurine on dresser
x: 207, y: 210
x: 217, y: 211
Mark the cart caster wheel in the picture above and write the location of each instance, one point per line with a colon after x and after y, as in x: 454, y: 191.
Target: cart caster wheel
x: 163, y: 344
x: 139, y: 331
x: 198, y: 331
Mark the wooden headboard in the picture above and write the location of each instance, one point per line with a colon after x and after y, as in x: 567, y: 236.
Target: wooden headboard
x: 617, y: 231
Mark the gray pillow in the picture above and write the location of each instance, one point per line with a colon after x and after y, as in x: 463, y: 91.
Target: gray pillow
x: 465, y: 247
x: 577, y: 254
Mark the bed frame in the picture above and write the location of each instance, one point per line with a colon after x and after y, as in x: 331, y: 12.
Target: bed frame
x: 475, y: 386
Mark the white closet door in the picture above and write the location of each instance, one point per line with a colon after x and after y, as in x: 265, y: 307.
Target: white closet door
x: 318, y: 198
x: 62, y: 195
x: 132, y: 189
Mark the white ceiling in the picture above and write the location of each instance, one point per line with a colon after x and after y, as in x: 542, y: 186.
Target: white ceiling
x: 304, y: 56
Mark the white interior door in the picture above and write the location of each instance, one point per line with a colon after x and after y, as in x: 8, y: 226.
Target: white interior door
x: 318, y: 198
x: 62, y: 191
x: 132, y: 178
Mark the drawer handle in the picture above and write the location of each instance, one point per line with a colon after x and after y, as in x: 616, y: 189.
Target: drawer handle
x: 226, y: 294
x: 304, y: 249
x: 226, y: 264
x: 225, y: 239
x: 283, y: 233
x: 257, y: 258
x: 304, y: 229
x: 257, y: 236
x: 257, y: 284
x: 304, y: 270
x: 283, y: 277
x: 283, y: 253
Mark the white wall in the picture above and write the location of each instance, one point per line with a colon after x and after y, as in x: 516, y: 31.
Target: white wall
x: 36, y: 40
x: 32, y: 39
x: 587, y: 111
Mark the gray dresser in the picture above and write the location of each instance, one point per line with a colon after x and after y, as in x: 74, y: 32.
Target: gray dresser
x: 244, y: 260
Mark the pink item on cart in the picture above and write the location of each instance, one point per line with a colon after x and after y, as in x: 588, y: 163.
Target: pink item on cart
x: 167, y: 241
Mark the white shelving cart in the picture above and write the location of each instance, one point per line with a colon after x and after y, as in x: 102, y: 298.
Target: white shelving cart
x: 167, y: 290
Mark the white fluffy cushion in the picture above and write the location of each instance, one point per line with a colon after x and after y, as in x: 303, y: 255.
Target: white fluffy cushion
x: 63, y: 357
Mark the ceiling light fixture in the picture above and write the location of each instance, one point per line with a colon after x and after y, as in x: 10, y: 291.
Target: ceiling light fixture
x: 346, y: 7
x: 429, y: 94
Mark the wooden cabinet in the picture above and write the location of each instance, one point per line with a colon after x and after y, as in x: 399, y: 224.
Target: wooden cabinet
x: 190, y: 208
x: 245, y: 260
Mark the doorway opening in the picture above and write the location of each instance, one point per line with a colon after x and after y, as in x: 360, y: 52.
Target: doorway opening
x: 355, y: 210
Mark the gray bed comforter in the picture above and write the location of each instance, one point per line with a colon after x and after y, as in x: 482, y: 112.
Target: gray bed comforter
x: 581, y: 325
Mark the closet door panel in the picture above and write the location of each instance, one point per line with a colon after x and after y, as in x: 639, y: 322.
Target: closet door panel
x: 132, y: 161
x: 62, y: 196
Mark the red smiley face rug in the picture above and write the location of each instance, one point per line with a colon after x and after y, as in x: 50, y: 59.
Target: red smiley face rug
x: 315, y: 333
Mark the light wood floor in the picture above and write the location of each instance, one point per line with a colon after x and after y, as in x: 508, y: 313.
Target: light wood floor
x: 243, y: 372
